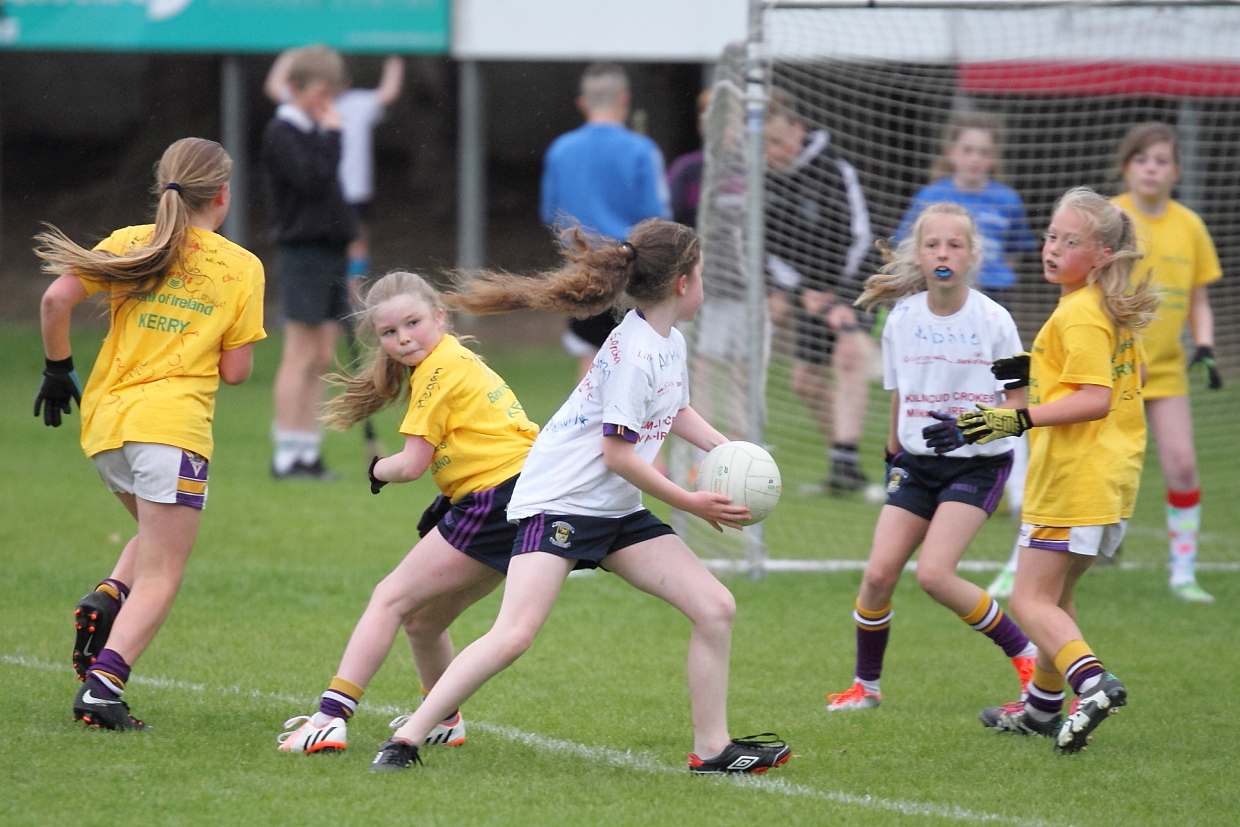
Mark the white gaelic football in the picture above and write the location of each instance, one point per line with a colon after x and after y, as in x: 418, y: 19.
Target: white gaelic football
x: 746, y: 473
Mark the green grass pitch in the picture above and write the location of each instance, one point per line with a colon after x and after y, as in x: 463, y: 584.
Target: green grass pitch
x: 592, y: 725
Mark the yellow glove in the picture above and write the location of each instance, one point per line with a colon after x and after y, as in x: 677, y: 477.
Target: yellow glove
x: 987, y: 424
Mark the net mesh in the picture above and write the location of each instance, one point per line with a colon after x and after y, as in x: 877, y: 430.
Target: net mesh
x: 883, y: 84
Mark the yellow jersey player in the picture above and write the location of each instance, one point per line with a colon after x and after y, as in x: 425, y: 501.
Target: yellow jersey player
x: 1180, y: 258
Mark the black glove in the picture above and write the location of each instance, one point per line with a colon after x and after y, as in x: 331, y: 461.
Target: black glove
x: 375, y: 482
x: 944, y: 435
x: 1205, y: 357
x: 1015, y: 368
x: 433, y: 514
x: 60, y: 384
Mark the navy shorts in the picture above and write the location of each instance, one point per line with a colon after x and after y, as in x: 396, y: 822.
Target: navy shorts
x: 594, y: 329
x: 586, y: 539
x: 477, y: 525
x: 313, y: 282
x: 919, y: 483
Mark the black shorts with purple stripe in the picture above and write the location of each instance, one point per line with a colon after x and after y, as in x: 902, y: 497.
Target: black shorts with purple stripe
x: 919, y: 483
x: 586, y: 539
x: 477, y: 525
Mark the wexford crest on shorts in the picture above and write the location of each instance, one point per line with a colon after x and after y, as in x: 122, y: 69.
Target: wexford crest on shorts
x: 895, y: 479
x: 561, y: 532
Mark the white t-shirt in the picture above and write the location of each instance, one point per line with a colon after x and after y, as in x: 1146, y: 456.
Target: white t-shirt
x: 639, y: 381
x: 360, y: 111
x: 942, y: 363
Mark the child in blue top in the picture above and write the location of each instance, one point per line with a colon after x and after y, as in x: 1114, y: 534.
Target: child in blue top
x: 962, y: 175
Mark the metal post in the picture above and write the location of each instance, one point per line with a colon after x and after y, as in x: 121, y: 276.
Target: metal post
x: 233, y: 131
x: 471, y: 215
x: 1188, y: 133
x: 755, y: 198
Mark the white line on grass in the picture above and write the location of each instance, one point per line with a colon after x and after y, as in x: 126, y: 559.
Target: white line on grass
x: 620, y: 759
x: 808, y: 566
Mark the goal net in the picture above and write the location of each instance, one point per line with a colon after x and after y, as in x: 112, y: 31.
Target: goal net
x: 1060, y: 82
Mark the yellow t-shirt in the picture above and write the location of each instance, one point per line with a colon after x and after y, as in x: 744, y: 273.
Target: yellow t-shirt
x: 1086, y: 473
x: 480, y: 431
x: 1180, y: 255
x: 158, y: 369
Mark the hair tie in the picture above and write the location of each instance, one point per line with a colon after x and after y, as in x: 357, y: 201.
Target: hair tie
x: 629, y: 250
x: 176, y: 187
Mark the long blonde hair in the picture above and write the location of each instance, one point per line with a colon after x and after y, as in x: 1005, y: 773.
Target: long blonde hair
x: 597, y: 274
x: 1130, y: 307
x: 901, y: 275
x: 189, y: 176
x: 378, y: 381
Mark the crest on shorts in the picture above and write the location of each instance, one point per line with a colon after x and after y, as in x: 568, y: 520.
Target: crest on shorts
x: 895, y: 479
x: 560, y: 534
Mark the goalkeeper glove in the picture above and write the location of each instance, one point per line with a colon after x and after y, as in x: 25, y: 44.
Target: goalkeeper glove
x: 987, y: 424
x: 375, y: 483
x: 1015, y: 368
x: 433, y: 514
x: 1205, y: 357
x: 944, y: 435
x: 60, y: 384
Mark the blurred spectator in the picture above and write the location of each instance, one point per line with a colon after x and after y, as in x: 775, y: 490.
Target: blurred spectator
x: 604, y: 178
x: 312, y: 228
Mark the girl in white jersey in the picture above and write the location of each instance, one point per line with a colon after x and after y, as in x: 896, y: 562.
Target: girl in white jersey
x: 578, y: 499
x: 938, y: 344
x: 186, y: 306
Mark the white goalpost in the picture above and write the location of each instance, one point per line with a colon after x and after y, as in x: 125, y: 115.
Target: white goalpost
x: 880, y: 80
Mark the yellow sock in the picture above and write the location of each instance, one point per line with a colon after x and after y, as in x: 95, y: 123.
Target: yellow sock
x: 339, y: 684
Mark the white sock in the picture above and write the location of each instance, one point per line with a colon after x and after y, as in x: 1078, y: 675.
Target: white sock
x: 288, y: 447
x: 309, y: 443
x: 869, y: 686
x: 1182, y: 526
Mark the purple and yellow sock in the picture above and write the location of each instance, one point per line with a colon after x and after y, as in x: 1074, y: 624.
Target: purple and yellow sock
x: 108, y: 675
x: 1077, y: 663
x: 341, y: 699
x: 114, y: 589
x: 1046, y: 694
x: 990, y: 619
x: 873, y: 629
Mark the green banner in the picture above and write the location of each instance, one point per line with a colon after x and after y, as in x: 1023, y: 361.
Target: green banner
x: 404, y: 26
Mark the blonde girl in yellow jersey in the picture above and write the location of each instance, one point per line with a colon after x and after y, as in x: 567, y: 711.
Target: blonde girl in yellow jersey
x: 465, y: 426
x: 1086, y: 447
x: 1180, y: 259
x: 186, y: 306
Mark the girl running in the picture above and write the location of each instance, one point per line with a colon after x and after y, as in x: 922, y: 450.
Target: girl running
x: 465, y: 426
x: 1086, y: 450
x: 938, y: 343
x: 1181, y: 261
x: 578, y: 499
x: 186, y: 306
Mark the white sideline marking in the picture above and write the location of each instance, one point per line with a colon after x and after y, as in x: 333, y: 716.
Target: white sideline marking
x: 620, y: 759
x: 731, y: 566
